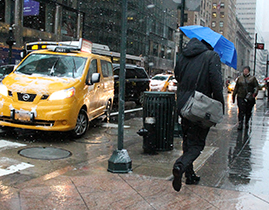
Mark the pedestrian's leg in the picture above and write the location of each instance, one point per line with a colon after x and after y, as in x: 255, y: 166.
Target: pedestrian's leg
x: 249, y: 108
x: 191, y: 177
x: 241, y: 112
x: 193, y: 144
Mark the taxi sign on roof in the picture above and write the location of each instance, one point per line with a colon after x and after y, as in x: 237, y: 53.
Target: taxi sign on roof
x: 86, y: 45
x: 82, y: 45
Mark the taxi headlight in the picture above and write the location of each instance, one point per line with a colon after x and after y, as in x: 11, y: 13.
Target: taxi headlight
x: 3, y: 90
x: 62, y: 94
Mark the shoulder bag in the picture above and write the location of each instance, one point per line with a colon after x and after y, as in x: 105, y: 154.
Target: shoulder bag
x: 201, y: 109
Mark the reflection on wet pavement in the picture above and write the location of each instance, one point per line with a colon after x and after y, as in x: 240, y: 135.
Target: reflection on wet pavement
x: 247, y: 154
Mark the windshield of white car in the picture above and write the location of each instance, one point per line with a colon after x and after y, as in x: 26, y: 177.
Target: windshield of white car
x: 52, y: 65
x: 161, y: 78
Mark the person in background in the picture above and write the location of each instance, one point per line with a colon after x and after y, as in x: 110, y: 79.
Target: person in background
x: 197, y: 56
x: 246, y: 89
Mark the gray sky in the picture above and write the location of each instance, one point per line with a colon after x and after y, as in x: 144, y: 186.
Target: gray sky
x: 262, y: 20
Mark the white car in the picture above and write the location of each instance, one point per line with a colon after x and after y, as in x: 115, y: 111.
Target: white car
x: 160, y: 82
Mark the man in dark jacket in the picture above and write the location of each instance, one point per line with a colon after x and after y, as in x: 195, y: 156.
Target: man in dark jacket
x: 196, y: 56
x: 246, y: 89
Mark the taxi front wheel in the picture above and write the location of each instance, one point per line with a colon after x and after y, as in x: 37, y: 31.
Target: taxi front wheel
x: 82, y: 124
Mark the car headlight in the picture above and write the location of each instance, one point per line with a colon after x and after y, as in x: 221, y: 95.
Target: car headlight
x: 62, y: 94
x: 3, y: 90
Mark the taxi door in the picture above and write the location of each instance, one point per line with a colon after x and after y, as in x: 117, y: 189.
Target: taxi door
x: 92, y: 93
x: 106, y: 83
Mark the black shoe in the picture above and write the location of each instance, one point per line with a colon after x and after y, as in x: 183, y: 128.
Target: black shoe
x: 240, y: 126
x: 193, y: 179
x: 177, y: 179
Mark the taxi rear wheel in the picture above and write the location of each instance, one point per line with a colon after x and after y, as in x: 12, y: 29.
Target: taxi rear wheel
x: 82, y: 124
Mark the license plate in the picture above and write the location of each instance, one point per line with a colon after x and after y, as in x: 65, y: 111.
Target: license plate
x: 22, y: 116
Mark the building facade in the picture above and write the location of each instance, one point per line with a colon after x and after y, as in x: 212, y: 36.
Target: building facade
x: 244, y: 47
x: 150, y: 27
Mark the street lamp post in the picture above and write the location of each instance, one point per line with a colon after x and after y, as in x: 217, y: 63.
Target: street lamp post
x: 120, y: 162
x: 182, y: 11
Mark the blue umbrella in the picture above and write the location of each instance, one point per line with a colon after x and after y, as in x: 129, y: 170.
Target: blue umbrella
x: 221, y: 45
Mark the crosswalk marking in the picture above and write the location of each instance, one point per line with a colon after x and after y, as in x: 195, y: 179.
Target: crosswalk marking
x: 10, y: 166
x: 4, y: 143
x: 14, y: 168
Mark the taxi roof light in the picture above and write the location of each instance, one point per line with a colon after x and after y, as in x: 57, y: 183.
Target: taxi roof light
x: 82, y: 45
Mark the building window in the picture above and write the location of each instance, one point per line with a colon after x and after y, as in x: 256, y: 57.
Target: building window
x: 155, y: 49
x: 162, y: 52
x: 69, y: 23
x: 214, y: 14
x: 213, y: 24
x: 222, y: 14
x: 2, y: 10
x: 221, y: 32
x: 222, y: 5
x: 214, y: 6
x: 221, y: 24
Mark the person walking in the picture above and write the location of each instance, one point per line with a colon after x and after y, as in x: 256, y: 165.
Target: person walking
x: 246, y: 89
x: 197, y: 56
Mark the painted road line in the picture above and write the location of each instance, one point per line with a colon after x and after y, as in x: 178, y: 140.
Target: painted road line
x: 4, y: 143
x: 14, y: 168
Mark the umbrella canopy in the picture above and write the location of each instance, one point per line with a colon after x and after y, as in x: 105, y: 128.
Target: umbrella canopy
x: 221, y: 45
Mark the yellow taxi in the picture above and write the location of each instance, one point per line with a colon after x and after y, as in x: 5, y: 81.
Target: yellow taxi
x: 231, y: 87
x: 60, y: 88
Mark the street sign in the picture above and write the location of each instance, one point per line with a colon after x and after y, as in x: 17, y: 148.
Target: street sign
x: 259, y: 46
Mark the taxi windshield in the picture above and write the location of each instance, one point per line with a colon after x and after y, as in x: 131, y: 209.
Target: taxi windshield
x: 52, y: 65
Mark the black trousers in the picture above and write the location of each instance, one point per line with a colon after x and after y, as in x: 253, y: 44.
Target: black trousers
x: 244, y: 109
x: 193, y: 144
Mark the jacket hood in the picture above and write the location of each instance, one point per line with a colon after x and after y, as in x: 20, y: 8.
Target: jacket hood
x: 193, y: 48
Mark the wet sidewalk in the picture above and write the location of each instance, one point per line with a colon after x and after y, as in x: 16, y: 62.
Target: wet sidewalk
x: 90, y: 186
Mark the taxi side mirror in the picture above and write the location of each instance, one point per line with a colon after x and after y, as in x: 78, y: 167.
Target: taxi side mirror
x: 95, y: 78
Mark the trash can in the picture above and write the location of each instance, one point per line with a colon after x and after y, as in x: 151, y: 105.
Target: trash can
x: 158, y: 121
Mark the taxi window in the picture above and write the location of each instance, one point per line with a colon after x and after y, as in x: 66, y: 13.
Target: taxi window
x: 106, y: 68
x: 93, y: 67
x: 52, y: 65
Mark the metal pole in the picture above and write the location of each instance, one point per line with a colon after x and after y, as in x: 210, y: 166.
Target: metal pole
x: 182, y: 11
x: 122, y: 75
x: 266, y: 74
x: 120, y: 162
x: 255, y: 45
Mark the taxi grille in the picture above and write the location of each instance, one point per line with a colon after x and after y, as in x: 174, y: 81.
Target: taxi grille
x: 27, y: 97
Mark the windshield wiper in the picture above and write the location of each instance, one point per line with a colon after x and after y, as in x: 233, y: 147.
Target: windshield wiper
x: 74, y: 69
x: 52, y: 70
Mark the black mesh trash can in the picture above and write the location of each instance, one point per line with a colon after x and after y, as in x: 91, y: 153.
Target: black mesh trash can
x: 158, y: 120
